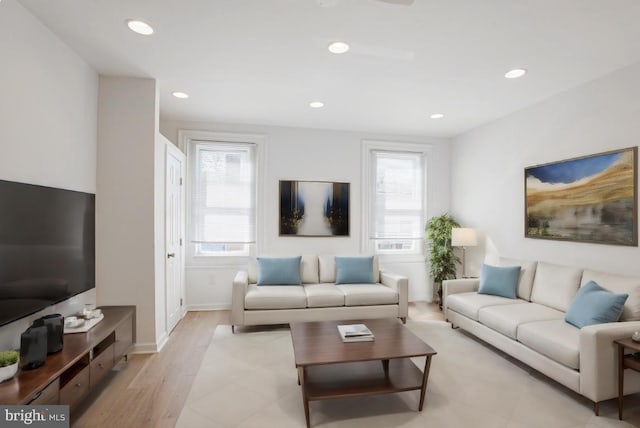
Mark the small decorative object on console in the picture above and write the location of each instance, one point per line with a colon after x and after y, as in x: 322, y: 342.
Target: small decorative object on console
x: 82, y: 325
x: 33, y: 347
x: 636, y: 336
x: 8, y: 364
x: 54, y: 324
x: 73, y: 322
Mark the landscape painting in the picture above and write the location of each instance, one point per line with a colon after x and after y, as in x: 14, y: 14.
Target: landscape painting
x: 588, y: 199
x: 314, y: 208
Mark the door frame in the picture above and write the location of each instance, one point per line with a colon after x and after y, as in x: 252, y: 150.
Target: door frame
x: 171, y: 149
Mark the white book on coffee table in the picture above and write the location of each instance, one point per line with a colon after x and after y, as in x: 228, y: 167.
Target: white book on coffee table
x: 355, y: 333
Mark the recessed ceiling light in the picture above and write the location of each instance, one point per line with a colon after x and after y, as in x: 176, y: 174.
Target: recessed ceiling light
x: 515, y: 73
x: 316, y: 104
x: 338, y: 47
x: 437, y: 116
x: 139, y: 27
x: 179, y: 94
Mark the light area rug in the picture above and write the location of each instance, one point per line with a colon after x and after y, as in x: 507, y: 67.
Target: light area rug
x: 249, y: 380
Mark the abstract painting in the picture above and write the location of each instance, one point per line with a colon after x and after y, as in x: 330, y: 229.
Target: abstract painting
x: 314, y: 208
x: 587, y: 199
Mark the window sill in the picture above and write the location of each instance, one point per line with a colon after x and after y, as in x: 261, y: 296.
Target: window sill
x: 207, y: 262
x: 401, y: 258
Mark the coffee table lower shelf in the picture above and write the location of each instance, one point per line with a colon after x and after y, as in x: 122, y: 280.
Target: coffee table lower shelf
x: 361, y: 378
x: 329, y: 381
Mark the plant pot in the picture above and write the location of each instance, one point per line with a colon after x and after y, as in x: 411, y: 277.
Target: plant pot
x: 8, y: 372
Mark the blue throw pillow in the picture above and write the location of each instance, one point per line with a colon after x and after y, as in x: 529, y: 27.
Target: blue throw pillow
x: 354, y: 270
x: 499, y: 281
x: 279, y: 271
x: 595, y: 305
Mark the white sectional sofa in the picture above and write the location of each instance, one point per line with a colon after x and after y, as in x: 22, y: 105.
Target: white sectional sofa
x: 318, y: 298
x: 532, y: 329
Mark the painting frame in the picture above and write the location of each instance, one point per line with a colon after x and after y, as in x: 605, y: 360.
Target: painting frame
x: 600, y: 205
x: 313, y: 208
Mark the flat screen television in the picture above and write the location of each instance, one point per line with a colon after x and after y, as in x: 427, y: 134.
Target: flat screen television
x: 47, y: 247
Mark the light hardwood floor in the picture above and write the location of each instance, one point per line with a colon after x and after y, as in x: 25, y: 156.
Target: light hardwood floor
x: 149, y: 390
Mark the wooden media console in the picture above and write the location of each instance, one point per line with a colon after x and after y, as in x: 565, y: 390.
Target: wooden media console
x: 68, y: 376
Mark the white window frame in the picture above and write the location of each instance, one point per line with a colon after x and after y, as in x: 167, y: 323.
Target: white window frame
x: 368, y: 185
x: 187, y: 138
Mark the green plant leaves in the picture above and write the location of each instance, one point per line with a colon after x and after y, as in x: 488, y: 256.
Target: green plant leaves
x: 8, y: 358
x: 442, y: 259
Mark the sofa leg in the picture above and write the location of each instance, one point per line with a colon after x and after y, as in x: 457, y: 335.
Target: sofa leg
x: 596, y: 408
x: 233, y: 329
x: 403, y: 319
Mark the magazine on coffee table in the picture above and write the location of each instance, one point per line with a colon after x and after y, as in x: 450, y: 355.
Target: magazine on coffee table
x: 355, y: 333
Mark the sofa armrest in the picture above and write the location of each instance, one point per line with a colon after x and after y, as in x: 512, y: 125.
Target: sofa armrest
x: 599, y: 359
x: 455, y: 286
x: 239, y: 290
x: 401, y: 285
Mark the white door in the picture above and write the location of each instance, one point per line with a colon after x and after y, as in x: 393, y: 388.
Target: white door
x: 174, y: 207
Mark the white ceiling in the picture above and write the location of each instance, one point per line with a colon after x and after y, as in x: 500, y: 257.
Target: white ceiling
x: 263, y: 61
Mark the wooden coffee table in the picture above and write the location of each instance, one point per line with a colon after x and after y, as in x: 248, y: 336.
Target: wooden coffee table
x: 329, y: 368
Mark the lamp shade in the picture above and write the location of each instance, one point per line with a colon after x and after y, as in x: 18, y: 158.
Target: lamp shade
x: 463, y: 237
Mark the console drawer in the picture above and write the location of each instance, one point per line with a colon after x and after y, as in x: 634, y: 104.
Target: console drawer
x: 76, y: 388
x: 49, y: 395
x: 101, y: 365
x: 124, y: 338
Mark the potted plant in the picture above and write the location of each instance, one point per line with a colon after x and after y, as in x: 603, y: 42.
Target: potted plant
x: 8, y: 364
x: 442, y: 259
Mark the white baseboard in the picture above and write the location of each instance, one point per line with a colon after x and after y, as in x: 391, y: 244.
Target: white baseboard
x: 145, y: 348
x: 208, y: 307
x: 163, y: 341
x: 150, y: 347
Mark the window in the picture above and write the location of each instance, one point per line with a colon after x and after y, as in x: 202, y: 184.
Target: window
x: 223, y: 197
x: 397, y: 200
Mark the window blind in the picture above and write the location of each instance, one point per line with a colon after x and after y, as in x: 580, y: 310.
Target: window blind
x: 397, y: 200
x: 223, y: 193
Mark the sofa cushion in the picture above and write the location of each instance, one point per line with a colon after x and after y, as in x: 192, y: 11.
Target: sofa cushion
x: 279, y: 270
x: 618, y: 284
x: 595, y: 305
x: 327, y: 269
x: 354, y: 270
x: 275, y: 297
x: 555, y: 339
x: 323, y: 295
x: 527, y: 272
x: 499, y: 281
x: 308, y: 270
x: 367, y: 294
x: 469, y: 304
x: 506, y: 318
x: 555, y: 285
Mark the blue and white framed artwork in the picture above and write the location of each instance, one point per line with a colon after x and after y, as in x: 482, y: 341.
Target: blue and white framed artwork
x: 587, y: 199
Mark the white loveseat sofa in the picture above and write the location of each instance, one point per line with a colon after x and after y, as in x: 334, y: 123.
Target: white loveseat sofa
x: 318, y: 298
x: 532, y: 329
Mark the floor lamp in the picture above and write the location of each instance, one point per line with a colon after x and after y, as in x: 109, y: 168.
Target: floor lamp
x: 463, y: 237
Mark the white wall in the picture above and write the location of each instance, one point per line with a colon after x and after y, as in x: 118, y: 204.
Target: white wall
x: 126, y: 215
x: 47, y: 121
x: 308, y: 154
x: 488, y: 167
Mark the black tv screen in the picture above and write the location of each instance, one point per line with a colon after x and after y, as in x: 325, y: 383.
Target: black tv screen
x: 47, y: 247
